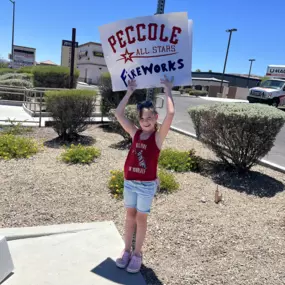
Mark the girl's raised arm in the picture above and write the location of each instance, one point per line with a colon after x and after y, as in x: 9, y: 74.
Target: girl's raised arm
x: 170, y: 111
x: 128, y: 126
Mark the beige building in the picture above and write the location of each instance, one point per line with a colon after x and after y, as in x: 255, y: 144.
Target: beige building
x: 66, y: 48
x: 90, y: 62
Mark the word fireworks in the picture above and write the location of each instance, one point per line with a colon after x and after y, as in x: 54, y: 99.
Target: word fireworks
x: 150, y: 69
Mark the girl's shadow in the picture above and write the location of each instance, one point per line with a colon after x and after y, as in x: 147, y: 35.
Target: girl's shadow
x: 108, y: 270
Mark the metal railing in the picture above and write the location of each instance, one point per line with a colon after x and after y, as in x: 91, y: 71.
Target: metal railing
x: 33, y: 99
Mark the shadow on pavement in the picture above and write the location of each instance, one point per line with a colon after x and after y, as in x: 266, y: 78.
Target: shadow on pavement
x: 11, y: 274
x: 150, y: 276
x: 252, y: 183
x: 108, y: 270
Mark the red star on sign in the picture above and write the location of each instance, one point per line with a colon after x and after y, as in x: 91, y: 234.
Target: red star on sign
x: 127, y: 56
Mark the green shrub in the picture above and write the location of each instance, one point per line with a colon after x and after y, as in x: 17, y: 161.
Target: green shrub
x: 179, y: 161
x: 6, y: 70
x: 131, y: 113
x: 80, y: 154
x: 15, y: 128
x: 168, y: 182
x: 3, y: 63
x: 71, y: 111
x: 17, y: 147
x: 116, y: 182
x: 240, y: 134
x: 20, y: 76
x: 198, y: 92
x: 17, y: 83
x: 110, y: 99
x: 53, y: 76
x: 25, y: 69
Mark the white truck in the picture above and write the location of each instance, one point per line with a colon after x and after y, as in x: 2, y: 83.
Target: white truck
x: 272, y: 90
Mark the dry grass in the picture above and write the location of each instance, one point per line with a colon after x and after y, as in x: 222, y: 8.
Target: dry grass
x: 239, y: 241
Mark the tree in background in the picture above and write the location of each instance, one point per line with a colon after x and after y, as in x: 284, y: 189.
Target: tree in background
x: 198, y: 70
x: 3, y: 63
x: 264, y: 78
x: 210, y: 70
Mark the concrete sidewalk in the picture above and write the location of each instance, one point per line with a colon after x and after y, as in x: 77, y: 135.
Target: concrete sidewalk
x: 18, y: 114
x: 225, y: 100
x: 67, y: 255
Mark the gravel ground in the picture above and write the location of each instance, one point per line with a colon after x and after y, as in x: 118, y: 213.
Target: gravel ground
x: 189, y: 241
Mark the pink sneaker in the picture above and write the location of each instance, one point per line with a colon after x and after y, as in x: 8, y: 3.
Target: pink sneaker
x: 124, y: 260
x: 135, y: 264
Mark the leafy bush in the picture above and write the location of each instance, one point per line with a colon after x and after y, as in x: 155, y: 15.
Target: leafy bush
x: 198, y: 92
x: 110, y: 99
x: 167, y: 181
x: 15, y: 128
x: 53, y: 76
x: 80, y: 154
x: 131, y: 113
x: 5, y: 70
x: 116, y: 182
x: 71, y: 110
x: 17, y: 147
x: 239, y: 134
x: 25, y: 69
x: 17, y: 83
x: 20, y: 76
x: 179, y: 161
x: 3, y: 63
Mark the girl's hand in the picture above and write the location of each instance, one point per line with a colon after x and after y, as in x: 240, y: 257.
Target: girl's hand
x: 132, y: 85
x: 167, y: 83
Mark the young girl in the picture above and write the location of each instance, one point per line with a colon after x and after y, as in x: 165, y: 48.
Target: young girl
x: 140, y: 170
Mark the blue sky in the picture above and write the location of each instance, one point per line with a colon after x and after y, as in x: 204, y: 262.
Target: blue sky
x: 43, y: 24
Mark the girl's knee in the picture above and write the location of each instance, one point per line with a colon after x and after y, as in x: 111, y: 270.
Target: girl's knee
x: 141, y: 218
x: 131, y: 213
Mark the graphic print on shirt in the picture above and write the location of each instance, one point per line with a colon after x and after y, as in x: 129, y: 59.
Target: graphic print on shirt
x: 140, y: 147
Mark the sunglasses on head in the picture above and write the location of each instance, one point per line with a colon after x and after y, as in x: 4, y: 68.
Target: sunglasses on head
x: 145, y: 104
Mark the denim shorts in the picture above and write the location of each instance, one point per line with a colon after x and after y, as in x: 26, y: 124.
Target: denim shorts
x: 139, y: 194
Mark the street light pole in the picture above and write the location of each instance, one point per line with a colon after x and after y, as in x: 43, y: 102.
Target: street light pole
x: 159, y: 10
x: 251, y: 60
x: 13, y: 26
x: 225, y: 64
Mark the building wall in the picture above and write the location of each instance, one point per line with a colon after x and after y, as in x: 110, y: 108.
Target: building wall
x: 90, y: 73
x: 91, y: 62
x: 238, y: 93
x: 234, y: 80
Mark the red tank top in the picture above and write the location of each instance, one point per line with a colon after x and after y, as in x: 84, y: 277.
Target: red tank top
x: 141, y: 162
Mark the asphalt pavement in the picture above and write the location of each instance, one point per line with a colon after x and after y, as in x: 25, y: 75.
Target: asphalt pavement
x: 183, y: 121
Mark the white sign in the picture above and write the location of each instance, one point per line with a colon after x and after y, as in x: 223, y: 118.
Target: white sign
x: 147, y: 48
x: 276, y: 71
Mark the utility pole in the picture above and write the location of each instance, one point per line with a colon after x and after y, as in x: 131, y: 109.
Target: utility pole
x: 225, y: 64
x: 13, y: 27
x: 72, y: 58
x: 251, y: 60
x: 159, y: 10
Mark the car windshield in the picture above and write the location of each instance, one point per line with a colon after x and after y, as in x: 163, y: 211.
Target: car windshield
x: 275, y: 84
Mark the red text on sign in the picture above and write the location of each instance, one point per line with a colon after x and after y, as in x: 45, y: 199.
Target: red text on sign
x: 142, y: 32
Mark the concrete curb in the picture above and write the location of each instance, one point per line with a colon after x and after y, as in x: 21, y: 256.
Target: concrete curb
x: 262, y: 162
x: 40, y: 231
x: 11, y: 103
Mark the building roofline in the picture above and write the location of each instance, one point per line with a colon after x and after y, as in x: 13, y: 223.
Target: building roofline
x: 93, y: 43
x: 209, y: 79
x: 24, y: 47
x: 220, y: 73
